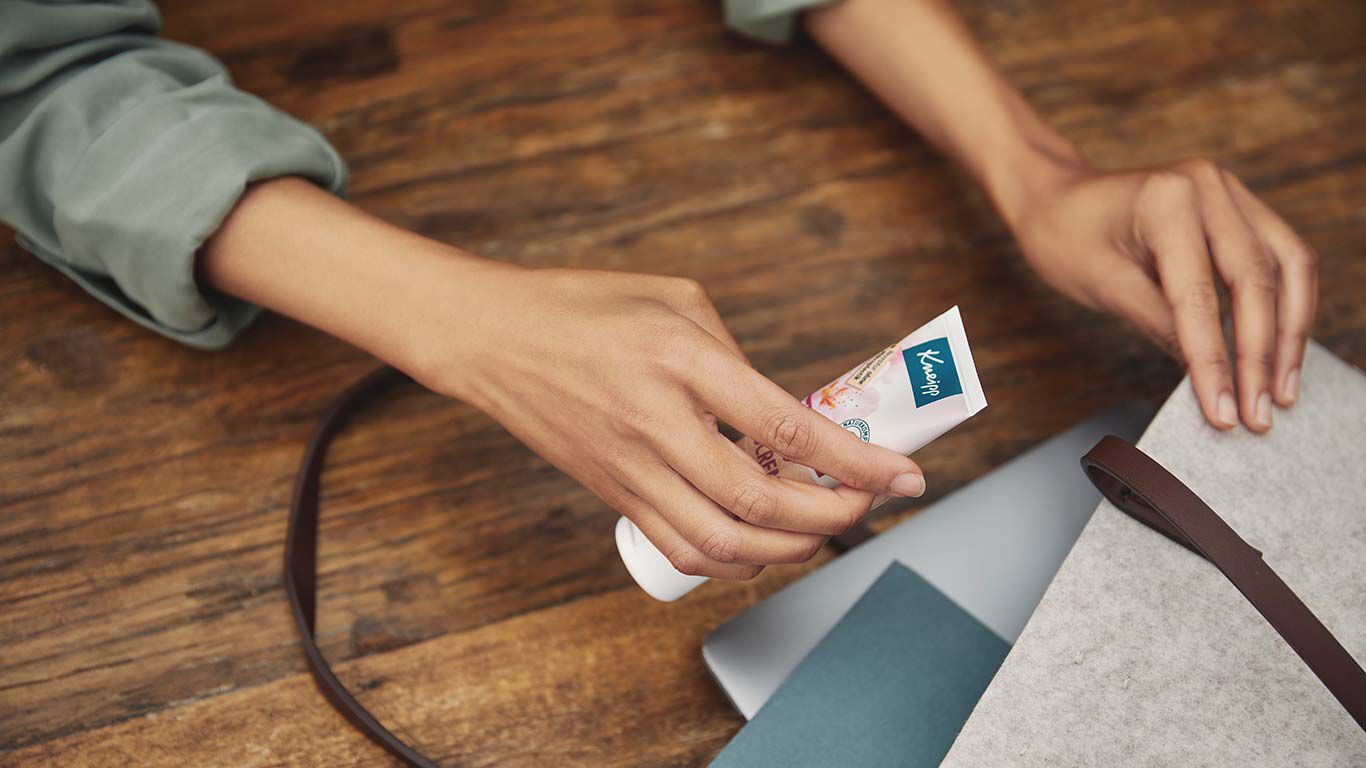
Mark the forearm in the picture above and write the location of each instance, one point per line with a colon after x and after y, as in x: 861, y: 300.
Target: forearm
x: 921, y: 60
x: 295, y: 249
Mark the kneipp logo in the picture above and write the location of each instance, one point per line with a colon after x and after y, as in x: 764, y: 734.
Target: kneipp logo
x: 934, y: 376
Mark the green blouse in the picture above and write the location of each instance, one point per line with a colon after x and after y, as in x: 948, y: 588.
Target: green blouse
x: 121, y: 152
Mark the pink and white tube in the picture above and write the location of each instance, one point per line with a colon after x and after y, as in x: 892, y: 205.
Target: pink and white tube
x: 901, y: 398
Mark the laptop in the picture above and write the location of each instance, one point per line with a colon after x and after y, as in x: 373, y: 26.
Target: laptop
x: 993, y: 547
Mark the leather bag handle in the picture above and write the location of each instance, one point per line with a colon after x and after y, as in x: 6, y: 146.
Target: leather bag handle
x: 1147, y: 492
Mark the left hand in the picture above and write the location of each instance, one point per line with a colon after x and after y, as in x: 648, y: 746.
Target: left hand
x: 1152, y: 245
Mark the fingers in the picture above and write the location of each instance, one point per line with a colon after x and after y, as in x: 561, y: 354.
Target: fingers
x: 682, y: 555
x: 763, y: 411
x: 1170, y: 224
x: 708, y: 529
x: 1200, y: 213
x: 685, y: 557
x: 1134, y: 295
x: 1250, y: 273
x: 732, y: 479
x: 1297, y: 300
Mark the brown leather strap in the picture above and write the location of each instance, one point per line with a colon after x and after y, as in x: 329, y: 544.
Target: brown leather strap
x: 301, y: 559
x: 1146, y: 491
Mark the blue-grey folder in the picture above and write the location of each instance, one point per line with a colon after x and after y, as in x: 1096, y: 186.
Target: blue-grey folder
x: 890, y: 685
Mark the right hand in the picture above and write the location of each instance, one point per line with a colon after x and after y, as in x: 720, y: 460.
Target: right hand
x: 1152, y: 245
x: 619, y: 380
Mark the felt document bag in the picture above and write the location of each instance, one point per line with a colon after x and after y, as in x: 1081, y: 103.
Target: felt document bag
x: 1143, y: 652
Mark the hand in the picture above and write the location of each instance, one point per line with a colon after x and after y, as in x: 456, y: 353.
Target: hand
x: 1152, y: 246
x: 619, y: 379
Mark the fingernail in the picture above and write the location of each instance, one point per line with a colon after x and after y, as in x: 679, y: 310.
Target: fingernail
x: 1263, y: 415
x: 1228, y: 409
x: 1290, y: 391
x: 907, y: 485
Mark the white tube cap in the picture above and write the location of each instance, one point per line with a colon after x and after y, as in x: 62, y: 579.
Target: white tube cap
x: 649, y: 567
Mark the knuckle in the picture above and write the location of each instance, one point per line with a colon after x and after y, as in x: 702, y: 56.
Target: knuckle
x: 686, y: 561
x: 1203, y: 170
x: 1216, y: 363
x: 1261, y: 357
x: 752, y: 502
x: 788, y: 431
x: 852, y: 516
x: 1200, y: 300
x: 1292, y: 338
x: 855, y: 515
x: 690, y: 292
x: 862, y: 474
x: 1304, y: 256
x: 1309, y: 257
x: 721, y: 545
x: 1259, y: 276
x: 670, y: 344
x: 811, y: 548
x: 635, y: 420
x: 1167, y: 189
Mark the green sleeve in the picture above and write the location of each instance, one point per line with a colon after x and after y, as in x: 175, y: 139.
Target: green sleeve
x: 769, y: 21
x: 121, y: 152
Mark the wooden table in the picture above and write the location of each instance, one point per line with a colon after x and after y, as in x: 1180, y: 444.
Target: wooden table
x: 472, y: 595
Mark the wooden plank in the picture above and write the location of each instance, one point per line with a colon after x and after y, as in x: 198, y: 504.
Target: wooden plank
x: 548, y: 688
x: 143, y: 485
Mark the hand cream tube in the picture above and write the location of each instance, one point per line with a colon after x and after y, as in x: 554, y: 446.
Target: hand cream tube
x: 901, y: 398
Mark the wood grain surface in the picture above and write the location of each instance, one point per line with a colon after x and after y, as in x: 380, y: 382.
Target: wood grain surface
x: 471, y: 594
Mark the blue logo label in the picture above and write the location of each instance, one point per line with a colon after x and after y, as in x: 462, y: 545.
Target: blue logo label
x: 933, y: 373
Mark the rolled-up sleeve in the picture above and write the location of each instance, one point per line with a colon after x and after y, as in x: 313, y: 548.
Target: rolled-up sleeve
x: 122, y: 152
x: 769, y: 21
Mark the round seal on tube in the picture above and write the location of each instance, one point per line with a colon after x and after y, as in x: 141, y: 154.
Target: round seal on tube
x: 649, y: 567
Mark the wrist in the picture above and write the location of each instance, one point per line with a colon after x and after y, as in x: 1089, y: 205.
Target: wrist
x: 1033, y: 170
x: 454, y: 315
x: 413, y: 302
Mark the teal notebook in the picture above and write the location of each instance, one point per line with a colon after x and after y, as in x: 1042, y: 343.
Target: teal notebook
x: 890, y: 685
